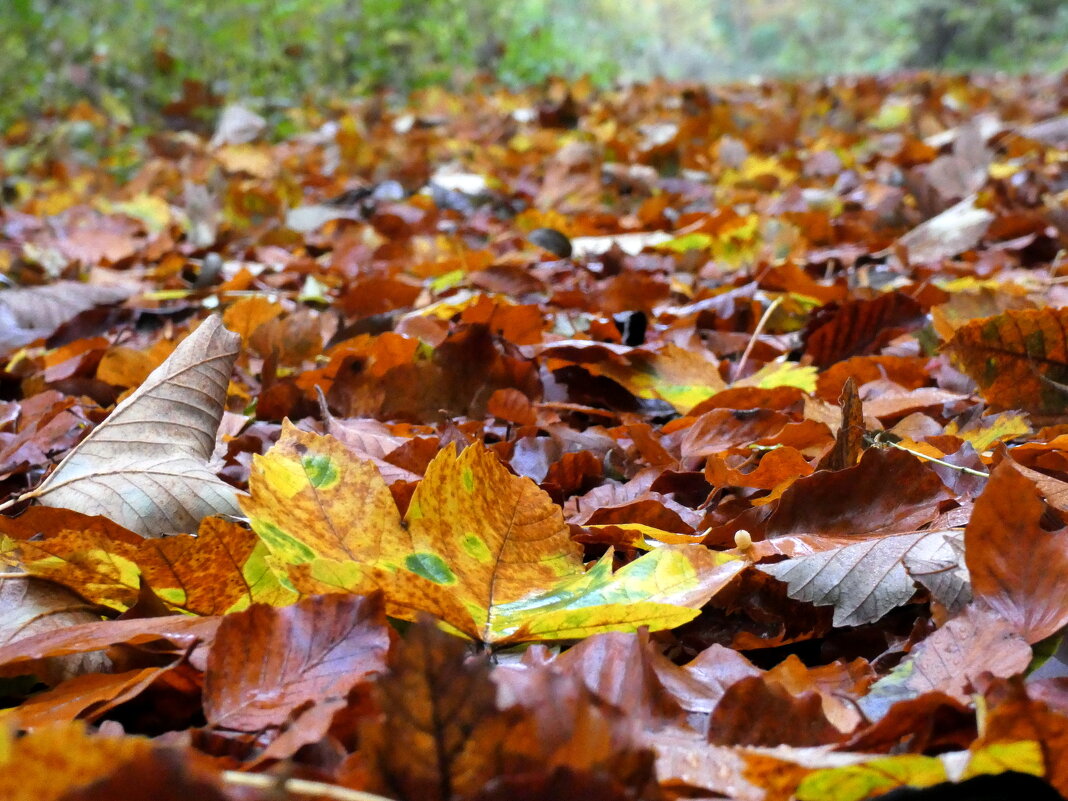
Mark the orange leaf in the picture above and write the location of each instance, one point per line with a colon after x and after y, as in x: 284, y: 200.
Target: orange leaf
x: 1018, y: 568
x: 1019, y: 358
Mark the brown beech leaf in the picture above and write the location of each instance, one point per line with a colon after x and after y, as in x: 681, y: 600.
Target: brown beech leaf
x: 628, y: 671
x: 887, y: 492
x: 1018, y: 568
x: 952, y: 660
x: 849, y: 442
x: 863, y: 580
x: 759, y: 711
x: 266, y: 661
x: 24, y: 656
x: 145, y: 467
x: 84, y: 697
x: 1019, y: 358
x: 837, y: 332
x: 441, y: 735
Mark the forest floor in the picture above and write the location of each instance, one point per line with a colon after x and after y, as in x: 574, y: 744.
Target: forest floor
x: 658, y: 443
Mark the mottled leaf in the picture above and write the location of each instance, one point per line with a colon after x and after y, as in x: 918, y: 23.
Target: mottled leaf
x: 1018, y: 358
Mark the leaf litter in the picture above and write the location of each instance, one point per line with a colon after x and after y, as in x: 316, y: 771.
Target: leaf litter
x: 726, y: 462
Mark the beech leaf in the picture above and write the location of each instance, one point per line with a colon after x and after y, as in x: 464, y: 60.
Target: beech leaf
x: 266, y: 662
x: 863, y: 580
x: 146, y: 465
x: 1018, y: 358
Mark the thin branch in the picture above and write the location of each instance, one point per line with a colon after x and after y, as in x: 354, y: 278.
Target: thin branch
x: 756, y: 332
x: 298, y: 786
x: 970, y: 471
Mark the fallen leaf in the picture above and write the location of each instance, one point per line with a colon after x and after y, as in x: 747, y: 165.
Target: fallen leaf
x: 1018, y: 358
x: 955, y: 230
x: 1017, y: 567
x: 266, y: 662
x: 54, y: 759
x: 863, y: 581
x: 486, y: 551
x: 222, y: 570
x: 35, y: 312
x: 952, y: 660
x: 30, y: 606
x: 146, y: 465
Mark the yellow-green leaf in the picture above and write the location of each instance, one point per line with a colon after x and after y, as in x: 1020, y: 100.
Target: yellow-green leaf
x: 486, y: 551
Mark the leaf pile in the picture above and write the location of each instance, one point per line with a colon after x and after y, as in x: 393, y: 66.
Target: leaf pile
x: 658, y: 443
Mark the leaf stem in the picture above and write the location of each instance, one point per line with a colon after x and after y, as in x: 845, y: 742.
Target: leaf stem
x: 969, y: 470
x: 299, y: 786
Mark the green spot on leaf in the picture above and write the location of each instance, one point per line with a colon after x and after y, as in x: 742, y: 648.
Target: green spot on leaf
x: 430, y: 566
x: 282, y: 544
x: 475, y: 547
x: 321, y: 470
x: 468, y: 478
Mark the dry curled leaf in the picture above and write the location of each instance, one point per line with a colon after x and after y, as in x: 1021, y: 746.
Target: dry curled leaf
x: 145, y: 467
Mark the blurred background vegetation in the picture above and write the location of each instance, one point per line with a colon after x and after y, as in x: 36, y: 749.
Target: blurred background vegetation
x: 133, y: 57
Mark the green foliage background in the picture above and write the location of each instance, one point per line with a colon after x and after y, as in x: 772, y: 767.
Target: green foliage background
x: 135, y: 54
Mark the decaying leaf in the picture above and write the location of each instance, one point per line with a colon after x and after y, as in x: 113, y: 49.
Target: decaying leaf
x: 952, y: 660
x: 145, y: 467
x: 1018, y: 568
x: 31, y: 606
x: 35, y: 312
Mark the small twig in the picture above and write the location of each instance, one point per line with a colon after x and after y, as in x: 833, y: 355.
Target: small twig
x: 264, y: 781
x: 15, y: 575
x: 969, y: 470
x: 756, y: 333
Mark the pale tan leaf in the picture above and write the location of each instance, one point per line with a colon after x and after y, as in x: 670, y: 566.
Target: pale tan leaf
x: 33, y: 312
x: 29, y: 605
x: 938, y: 564
x: 863, y: 580
x: 951, y: 659
x: 145, y: 466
